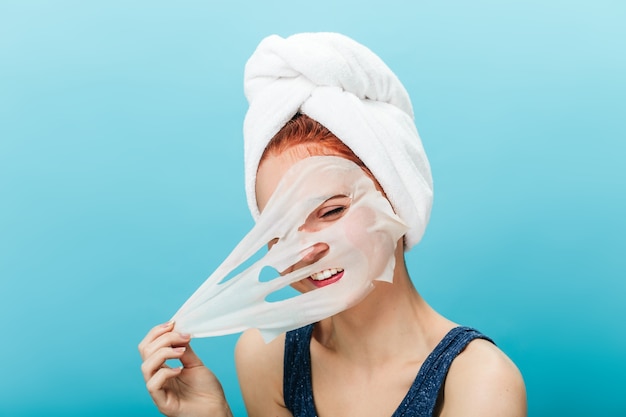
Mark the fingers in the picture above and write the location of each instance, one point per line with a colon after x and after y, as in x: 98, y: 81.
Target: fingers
x: 155, y: 362
x: 161, y: 344
x: 160, y: 336
x: 153, y: 334
x: 157, y: 382
x: 189, y: 359
x: 171, y: 339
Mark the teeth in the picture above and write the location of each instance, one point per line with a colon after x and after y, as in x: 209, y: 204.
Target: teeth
x: 319, y: 276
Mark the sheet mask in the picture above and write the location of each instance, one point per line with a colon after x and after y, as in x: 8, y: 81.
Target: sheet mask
x: 362, y: 242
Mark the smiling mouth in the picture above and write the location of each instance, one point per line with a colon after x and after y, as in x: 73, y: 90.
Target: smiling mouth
x: 326, y: 277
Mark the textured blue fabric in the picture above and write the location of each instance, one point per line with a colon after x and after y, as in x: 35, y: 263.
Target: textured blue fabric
x: 421, y: 399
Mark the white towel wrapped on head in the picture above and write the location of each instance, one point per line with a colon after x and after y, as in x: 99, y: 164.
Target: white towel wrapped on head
x: 348, y: 89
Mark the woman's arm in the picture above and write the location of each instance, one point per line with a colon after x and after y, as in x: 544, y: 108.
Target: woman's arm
x: 484, y: 382
x: 260, y: 372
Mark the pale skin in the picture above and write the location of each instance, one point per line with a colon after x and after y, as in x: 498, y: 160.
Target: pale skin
x: 363, y: 360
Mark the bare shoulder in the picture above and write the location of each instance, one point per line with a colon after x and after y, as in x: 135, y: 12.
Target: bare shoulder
x: 260, y: 373
x: 483, y: 381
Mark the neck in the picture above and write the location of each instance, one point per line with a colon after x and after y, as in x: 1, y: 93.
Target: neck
x: 392, y: 322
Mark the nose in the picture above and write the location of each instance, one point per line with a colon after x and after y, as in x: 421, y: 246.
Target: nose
x: 311, y: 255
x: 315, y: 253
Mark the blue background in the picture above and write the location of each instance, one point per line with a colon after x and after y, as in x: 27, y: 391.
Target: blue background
x: 121, y: 183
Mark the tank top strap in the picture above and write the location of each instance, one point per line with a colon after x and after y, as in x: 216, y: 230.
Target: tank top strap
x: 422, y: 397
x: 297, y: 385
x: 420, y: 400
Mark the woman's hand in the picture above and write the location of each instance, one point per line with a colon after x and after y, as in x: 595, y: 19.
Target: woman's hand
x: 190, y: 390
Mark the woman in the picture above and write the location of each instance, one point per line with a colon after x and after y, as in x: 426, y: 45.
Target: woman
x: 389, y: 355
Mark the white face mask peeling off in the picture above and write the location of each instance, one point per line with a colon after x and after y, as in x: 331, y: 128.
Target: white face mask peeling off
x: 361, y: 238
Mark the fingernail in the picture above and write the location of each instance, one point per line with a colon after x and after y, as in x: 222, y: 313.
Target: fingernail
x: 168, y: 324
x: 185, y: 335
x: 179, y: 349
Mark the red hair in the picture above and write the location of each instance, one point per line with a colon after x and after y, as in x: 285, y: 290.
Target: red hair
x: 319, y: 141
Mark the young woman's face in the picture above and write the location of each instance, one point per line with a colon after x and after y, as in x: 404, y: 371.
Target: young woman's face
x: 269, y: 174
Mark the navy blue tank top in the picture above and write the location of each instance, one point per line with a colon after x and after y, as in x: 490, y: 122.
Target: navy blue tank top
x: 421, y: 399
